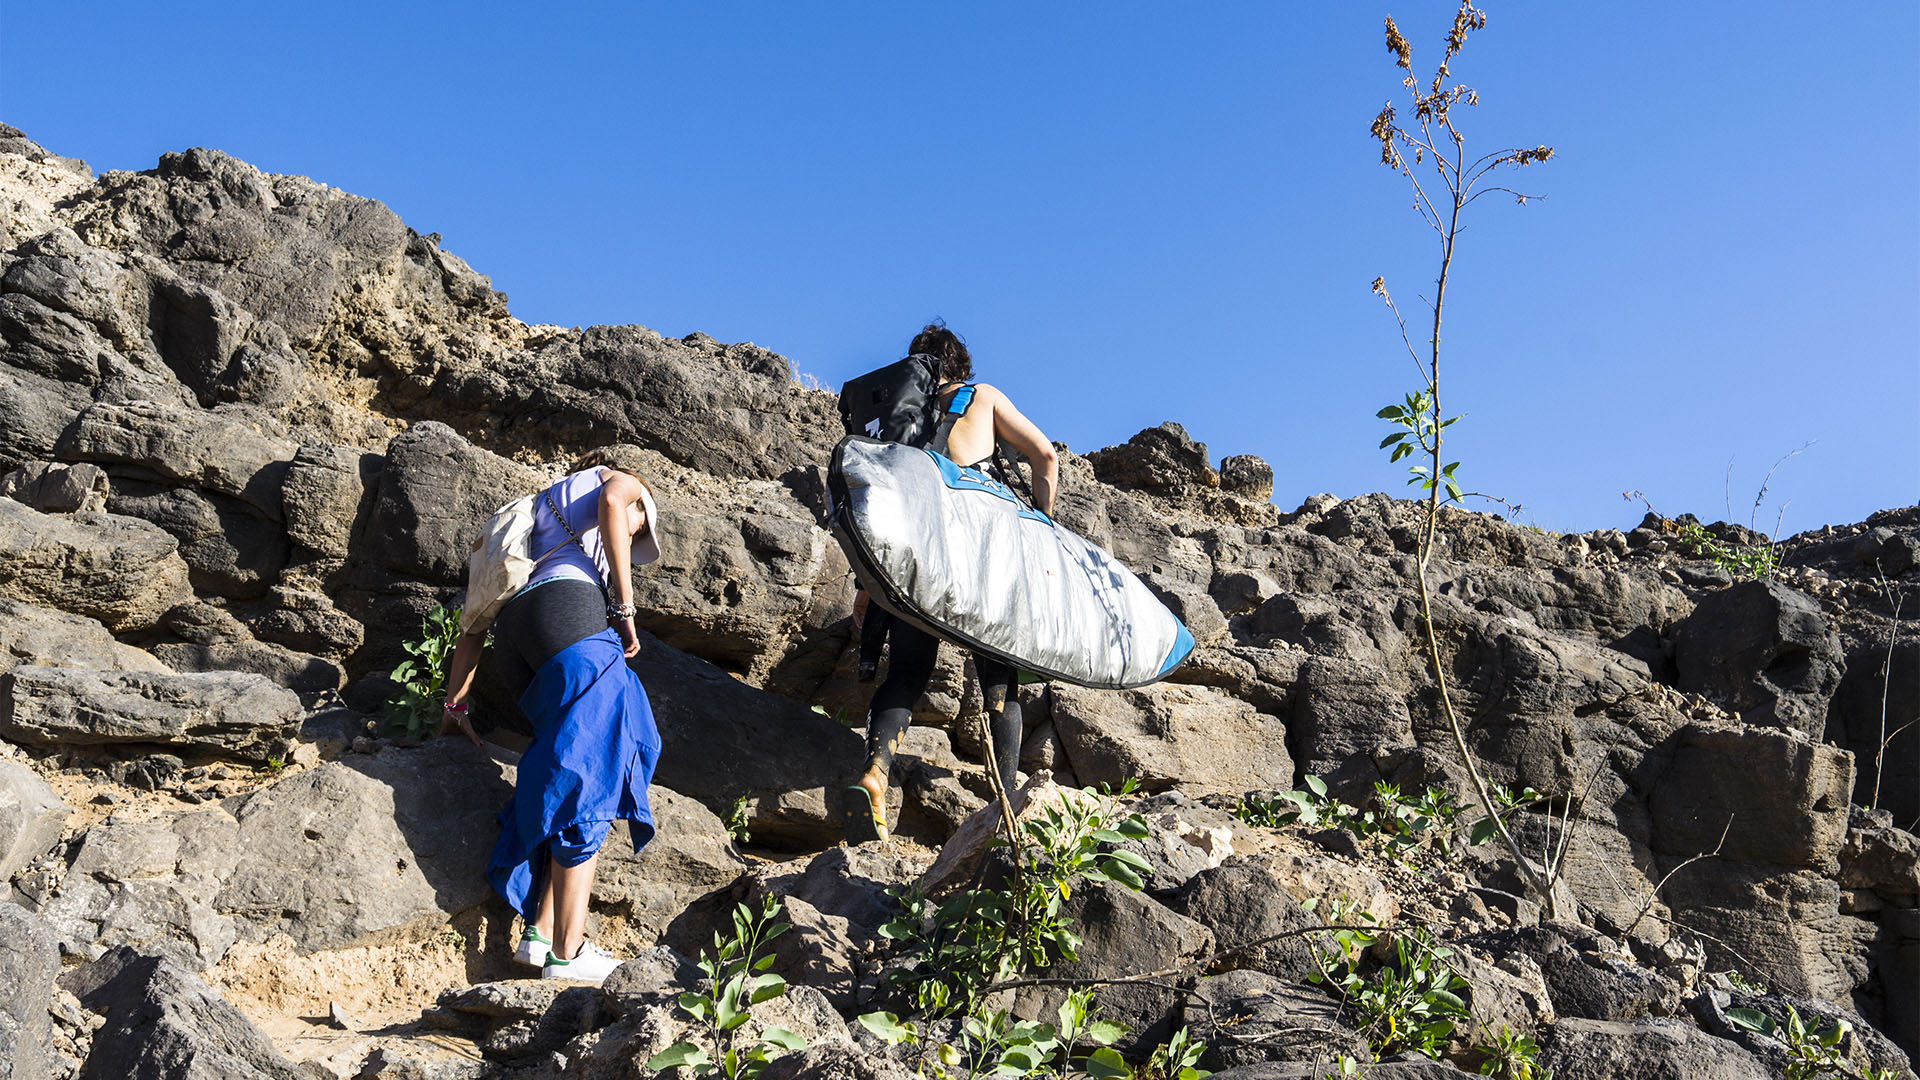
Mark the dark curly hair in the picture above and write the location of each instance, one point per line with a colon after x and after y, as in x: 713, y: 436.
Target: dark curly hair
x: 935, y: 340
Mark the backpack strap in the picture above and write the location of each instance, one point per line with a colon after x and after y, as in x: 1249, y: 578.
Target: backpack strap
x: 956, y: 408
x: 572, y: 537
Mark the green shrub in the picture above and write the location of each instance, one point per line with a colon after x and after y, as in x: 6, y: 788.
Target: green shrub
x: 736, y: 980
x: 422, y: 680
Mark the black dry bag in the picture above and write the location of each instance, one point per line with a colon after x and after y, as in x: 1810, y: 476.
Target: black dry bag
x: 896, y: 403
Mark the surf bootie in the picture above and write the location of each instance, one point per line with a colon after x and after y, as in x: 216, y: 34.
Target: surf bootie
x: 534, y: 948
x: 866, y: 822
x: 591, y: 964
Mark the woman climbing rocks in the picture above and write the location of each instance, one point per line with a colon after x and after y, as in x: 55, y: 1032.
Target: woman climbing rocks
x: 986, y: 416
x: 561, y: 645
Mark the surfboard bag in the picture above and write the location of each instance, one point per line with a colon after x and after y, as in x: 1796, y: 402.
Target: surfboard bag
x: 959, y: 555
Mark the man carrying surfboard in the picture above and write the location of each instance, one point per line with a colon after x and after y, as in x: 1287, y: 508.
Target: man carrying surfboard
x: 981, y: 417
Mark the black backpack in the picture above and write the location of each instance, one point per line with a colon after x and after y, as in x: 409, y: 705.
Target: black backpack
x: 897, y: 403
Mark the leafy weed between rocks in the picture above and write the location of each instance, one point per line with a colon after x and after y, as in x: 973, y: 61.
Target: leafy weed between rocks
x: 981, y: 934
x: 422, y: 680
x: 736, y: 980
x: 994, y: 1044
x: 1742, y: 562
x: 1433, y: 819
x: 739, y: 818
x: 959, y: 951
x: 1512, y: 1056
x: 1410, y: 1002
x: 1812, y: 1055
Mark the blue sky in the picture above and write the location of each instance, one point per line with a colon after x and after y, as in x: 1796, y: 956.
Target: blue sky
x: 1138, y: 212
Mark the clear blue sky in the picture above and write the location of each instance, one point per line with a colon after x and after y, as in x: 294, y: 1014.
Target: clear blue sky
x: 1137, y: 212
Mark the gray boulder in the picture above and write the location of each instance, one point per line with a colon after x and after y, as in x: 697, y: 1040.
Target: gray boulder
x: 124, y: 572
x: 28, y: 966
x: 372, y: 848
x: 299, y: 672
x: 1123, y: 933
x: 34, y: 410
x: 1349, y: 716
x: 1583, y: 977
x: 161, y: 1021
x: 725, y: 739
x: 1247, y: 1017
x: 1579, y: 1049
x: 1242, y: 901
x: 1161, y: 460
x: 222, y: 711
x: 230, y: 549
x: 1763, y: 650
x: 327, y: 494
x: 726, y: 410
x: 171, y: 444
x: 31, y: 634
x: 1197, y: 738
x: 435, y: 492
x: 689, y: 856
x: 56, y: 488
x: 1787, y: 797
x: 31, y: 818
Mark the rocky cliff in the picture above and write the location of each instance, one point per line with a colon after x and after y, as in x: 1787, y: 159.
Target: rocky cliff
x: 249, y: 424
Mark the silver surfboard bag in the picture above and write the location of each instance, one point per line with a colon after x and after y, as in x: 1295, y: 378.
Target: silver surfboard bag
x: 958, y: 554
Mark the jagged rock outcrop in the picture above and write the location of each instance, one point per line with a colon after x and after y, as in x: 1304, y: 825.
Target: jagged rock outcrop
x: 249, y: 425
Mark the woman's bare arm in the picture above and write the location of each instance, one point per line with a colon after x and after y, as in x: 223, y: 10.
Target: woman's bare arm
x: 619, y: 514
x: 460, y: 668
x: 1013, y: 428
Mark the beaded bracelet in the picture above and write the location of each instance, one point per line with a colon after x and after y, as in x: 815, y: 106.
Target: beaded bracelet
x: 620, y: 611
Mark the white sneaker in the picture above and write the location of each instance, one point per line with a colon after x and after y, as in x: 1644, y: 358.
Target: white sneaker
x: 592, y: 964
x: 534, y: 949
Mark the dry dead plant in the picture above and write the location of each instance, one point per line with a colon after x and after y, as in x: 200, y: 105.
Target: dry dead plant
x: 1431, y: 153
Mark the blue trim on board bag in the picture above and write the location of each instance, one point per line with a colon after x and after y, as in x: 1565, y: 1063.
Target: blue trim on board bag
x: 1182, y: 645
x: 961, y: 478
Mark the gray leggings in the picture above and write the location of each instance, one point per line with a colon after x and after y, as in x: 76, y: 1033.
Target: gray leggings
x: 911, y: 654
x: 538, y: 624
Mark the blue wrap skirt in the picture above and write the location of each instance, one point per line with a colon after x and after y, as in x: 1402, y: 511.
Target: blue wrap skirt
x: 593, y: 754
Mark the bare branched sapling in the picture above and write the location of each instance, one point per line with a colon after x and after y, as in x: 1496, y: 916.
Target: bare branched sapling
x: 1431, y: 153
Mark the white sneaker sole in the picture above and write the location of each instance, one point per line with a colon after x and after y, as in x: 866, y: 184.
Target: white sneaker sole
x: 590, y: 970
x: 532, y: 953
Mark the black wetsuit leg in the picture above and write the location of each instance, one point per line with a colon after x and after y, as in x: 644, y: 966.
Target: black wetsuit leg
x: 913, y: 652
x: 1008, y: 725
x: 873, y: 639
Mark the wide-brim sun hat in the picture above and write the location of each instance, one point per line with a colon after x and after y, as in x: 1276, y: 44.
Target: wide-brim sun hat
x: 646, y: 542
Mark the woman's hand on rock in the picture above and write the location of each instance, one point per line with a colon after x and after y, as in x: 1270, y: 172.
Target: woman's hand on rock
x: 452, y: 720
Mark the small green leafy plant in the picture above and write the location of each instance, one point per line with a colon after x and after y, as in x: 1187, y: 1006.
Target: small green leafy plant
x: 1176, y: 1059
x: 1511, y: 1056
x: 739, y: 820
x: 984, y: 933
x: 1812, y: 1055
x: 1506, y: 801
x: 1410, y: 1002
x: 992, y: 1044
x: 736, y: 980
x: 422, y: 679
x: 1744, y: 562
x: 1430, y: 819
